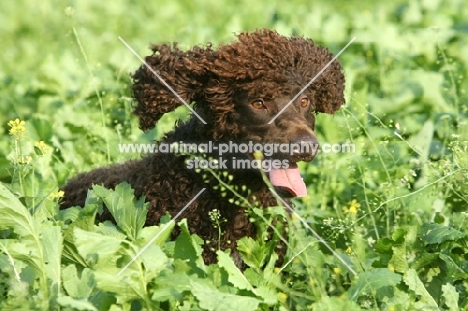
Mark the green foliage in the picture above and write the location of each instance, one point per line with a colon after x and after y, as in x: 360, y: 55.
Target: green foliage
x: 372, y: 281
x: 395, y: 209
x: 214, y: 300
x: 33, y: 253
x: 434, y: 233
x: 131, y: 215
x: 432, y: 262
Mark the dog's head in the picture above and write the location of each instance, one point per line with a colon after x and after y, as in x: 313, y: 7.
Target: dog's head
x: 263, y: 88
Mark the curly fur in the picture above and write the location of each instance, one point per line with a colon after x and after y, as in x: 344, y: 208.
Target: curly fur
x: 222, y: 83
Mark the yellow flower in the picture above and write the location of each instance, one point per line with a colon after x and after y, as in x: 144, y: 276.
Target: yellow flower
x: 57, y: 195
x: 24, y: 160
x: 42, y: 146
x: 337, y: 271
x: 354, y: 207
x: 17, y: 129
x: 349, y: 250
x: 282, y: 297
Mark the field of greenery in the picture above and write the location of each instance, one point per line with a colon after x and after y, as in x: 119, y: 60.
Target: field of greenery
x: 395, y: 211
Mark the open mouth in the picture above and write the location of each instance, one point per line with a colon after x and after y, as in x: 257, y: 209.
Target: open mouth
x: 289, y: 179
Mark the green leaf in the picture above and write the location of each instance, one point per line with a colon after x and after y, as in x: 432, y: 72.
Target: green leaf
x: 415, y: 284
x: 268, y: 294
x: 171, y: 286
x: 52, y: 248
x: 13, y: 214
x: 95, y: 247
x: 128, y: 286
x: 129, y: 213
x: 83, y: 218
x: 148, y: 233
x: 154, y: 260
x: 25, y: 250
x: 451, y: 296
x: 424, y: 259
x: 454, y: 269
x: 187, y: 247
x: 40, y: 251
x: 399, y: 260
x: 252, y: 252
x: 399, y: 235
x: 372, y: 280
x: 213, y: 300
x: 43, y: 128
x: 434, y: 233
x: 400, y: 300
x: 78, y: 287
x: 384, y: 246
x: 76, y: 304
x: 236, y: 277
x: 421, y: 142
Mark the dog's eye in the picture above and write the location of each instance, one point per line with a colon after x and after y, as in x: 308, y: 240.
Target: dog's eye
x: 304, y: 102
x: 258, y: 104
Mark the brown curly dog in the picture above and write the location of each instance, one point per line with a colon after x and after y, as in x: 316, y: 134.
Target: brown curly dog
x: 237, y: 90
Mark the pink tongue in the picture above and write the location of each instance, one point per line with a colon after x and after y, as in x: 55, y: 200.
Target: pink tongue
x: 290, y: 179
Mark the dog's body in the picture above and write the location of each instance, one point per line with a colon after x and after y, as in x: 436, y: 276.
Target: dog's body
x: 237, y: 90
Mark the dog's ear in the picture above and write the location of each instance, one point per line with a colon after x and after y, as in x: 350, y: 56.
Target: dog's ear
x: 328, y: 88
x: 184, y: 72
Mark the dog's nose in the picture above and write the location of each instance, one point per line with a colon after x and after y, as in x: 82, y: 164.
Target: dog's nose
x: 304, y: 148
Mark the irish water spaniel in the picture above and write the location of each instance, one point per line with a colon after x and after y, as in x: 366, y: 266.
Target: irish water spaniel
x: 237, y: 90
